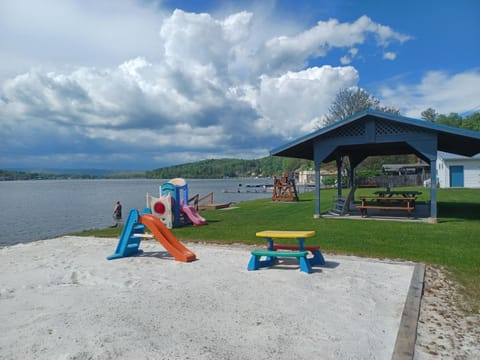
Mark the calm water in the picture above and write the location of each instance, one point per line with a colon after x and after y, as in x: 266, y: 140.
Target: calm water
x: 35, y: 210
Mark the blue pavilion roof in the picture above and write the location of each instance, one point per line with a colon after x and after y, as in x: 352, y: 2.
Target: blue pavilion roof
x: 449, y: 139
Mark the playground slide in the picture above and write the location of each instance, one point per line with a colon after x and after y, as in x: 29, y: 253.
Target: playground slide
x: 193, y: 215
x: 166, y: 238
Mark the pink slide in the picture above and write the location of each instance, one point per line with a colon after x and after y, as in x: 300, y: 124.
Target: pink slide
x: 166, y: 238
x: 193, y: 215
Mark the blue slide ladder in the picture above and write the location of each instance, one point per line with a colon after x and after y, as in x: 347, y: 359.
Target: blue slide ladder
x: 129, y: 243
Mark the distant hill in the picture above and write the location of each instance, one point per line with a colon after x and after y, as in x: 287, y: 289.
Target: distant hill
x: 205, y: 169
x: 222, y: 168
x: 58, y: 174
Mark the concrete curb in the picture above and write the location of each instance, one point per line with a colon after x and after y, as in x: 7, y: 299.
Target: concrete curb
x: 407, y: 332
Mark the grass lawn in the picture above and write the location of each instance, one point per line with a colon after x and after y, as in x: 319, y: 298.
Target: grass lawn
x: 453, y: 242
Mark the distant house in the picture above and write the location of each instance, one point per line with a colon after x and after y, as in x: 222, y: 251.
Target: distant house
x: 458, y: 171
x: 305, y: 177
x: 406, y: 169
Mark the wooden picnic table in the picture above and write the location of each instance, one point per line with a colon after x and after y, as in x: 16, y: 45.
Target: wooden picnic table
x: 402, y: 203
x: 393, y: 193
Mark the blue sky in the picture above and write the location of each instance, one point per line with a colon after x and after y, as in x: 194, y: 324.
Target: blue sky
x: 139, y: 84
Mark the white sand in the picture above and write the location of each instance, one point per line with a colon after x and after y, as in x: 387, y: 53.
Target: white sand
x: 61, y: 299
x: 445, y: 330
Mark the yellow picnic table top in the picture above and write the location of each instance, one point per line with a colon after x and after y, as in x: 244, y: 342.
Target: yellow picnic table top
x: 285, y: 234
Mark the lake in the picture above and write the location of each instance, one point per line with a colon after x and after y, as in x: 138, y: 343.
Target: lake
x: 41, y: 209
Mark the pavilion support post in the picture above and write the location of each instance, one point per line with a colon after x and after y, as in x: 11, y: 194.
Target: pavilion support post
x: 433, y: 190
x: 316, y: 215
x: 353, y: 178
x: 339, y: 176
x: 353, y: 185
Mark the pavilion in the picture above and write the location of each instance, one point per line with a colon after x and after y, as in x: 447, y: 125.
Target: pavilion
x: 374, y: 133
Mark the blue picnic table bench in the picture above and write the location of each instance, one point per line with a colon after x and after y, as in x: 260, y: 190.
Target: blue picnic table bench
x: 268, y: 257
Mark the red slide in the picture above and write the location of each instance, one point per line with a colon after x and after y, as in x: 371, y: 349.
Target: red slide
x: 166, y: 238
x: 193, y: 215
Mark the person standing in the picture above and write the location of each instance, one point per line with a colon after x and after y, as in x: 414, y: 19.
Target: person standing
x: 117, y: 213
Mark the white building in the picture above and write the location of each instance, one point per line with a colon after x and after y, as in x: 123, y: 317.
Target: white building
x: 305, y: 177
x: 458, y: 171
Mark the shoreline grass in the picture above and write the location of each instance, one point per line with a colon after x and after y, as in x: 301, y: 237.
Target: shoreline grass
x: 452, y: 243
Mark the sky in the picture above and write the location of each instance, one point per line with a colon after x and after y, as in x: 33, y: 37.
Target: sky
x: 143, y: 84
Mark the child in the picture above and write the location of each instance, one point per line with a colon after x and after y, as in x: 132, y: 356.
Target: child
x: 117, y: 213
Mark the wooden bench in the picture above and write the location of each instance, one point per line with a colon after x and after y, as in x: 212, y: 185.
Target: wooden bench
x: 271, y: 257
x: 363, y: 209
x: 387, y: 203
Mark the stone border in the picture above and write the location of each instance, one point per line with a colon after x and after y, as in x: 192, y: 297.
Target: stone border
x: 407, y: 332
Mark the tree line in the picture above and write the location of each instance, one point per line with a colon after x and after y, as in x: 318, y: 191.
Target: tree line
x: 350, y: 101
x: 11, y: 175
x: 231, y: 168
x: 469, y: 122
x: 8, y: 175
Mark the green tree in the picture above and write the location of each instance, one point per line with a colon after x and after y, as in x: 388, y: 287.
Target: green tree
x: 453, y: 119
x: 220, y: 168
x: 472, y: 122
x: 429, y: 115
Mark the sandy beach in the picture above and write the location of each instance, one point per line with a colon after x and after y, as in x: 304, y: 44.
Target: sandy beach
x: 444, y: 331
x: 61, y: 299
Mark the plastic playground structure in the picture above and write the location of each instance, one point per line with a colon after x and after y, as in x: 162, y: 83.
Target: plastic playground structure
x: 172, y: 207
x: 134, y: 231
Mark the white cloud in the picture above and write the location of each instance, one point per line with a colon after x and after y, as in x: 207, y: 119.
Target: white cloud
x: 353, y: 52
x: 282, y: 53
x: 199, y: 43
x: 439, y: 90
x: 347, y: 59
x: 292, y: 103
x: 389, y: 55
x: 61, y: 33
x: 192, y: 93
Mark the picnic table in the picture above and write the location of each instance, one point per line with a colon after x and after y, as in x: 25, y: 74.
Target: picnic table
x: 393, y: 193
x: 401, y: 203
x: 300, y: 252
